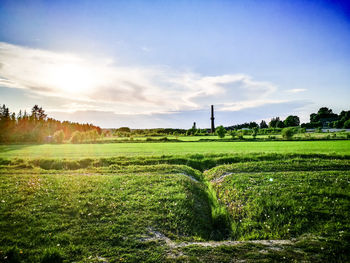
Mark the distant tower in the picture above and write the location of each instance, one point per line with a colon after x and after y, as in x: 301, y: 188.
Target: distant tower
x: 212, y: 119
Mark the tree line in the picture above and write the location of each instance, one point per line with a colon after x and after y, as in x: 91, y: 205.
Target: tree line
x: 275, y: 122
x: 36, y: 127
x: 323, y: 118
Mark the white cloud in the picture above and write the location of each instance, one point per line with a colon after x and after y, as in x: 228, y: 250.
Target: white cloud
x: 248, y: 104
x: 296, y: 90
x: 101, y: 85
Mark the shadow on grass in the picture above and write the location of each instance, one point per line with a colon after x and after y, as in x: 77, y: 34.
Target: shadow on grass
x: 14, y: 147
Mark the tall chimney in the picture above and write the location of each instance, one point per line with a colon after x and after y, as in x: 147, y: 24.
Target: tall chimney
x: 212, y: 119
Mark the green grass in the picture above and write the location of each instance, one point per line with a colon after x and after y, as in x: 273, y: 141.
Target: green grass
x: 135, y: 149
x: 199, y: 162
x: 287, y: 164
x: 86, y: 214
x: 122, y: 205
x: 286, y: 205
x: 287, y: 199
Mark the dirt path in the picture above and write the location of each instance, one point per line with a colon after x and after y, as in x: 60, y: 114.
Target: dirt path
x: 270, y: 244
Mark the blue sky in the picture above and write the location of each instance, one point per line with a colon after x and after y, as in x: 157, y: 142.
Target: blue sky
x: 149, y: 64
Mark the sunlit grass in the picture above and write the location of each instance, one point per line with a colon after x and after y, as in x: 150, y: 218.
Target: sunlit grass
x: 86, y: 214
x: 135, y: 149
x: 112, y: 209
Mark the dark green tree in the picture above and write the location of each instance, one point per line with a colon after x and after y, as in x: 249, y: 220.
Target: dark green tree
x: 279, y: 124
x: 291, y: 121
x: 322, y: 113
x: 347, y: 124
x: 124, y: 129
x: 276, y: 123
x: 263, y: 125
x: 38, y: 114
x: 252, y: 125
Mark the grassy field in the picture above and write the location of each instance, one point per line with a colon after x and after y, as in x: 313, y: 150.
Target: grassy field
x: 175, y: 202
x: 178, y: 148
x: 285, y: 199
x: 302, y: 136
x: 146, y: 208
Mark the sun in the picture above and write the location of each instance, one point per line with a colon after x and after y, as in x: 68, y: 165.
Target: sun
x: 72, y: 79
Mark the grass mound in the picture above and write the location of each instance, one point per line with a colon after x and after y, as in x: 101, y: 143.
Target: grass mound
x: 309, y: 163
x: 286, y: 205
x: 199, y: 162
x: 166, y: 209
x: 287, y: 199
x: 100, y: 215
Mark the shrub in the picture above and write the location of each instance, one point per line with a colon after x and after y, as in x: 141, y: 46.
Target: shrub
x: 58, y: 136
x: 94, y: 135
x: 220, y: 131
x: 76, y: 137
x: 255, y: 132
x: 288, y: 133
x: 233, y: 134
x: 301, y: 130
x: 245, y: 132
x: 83, y: 136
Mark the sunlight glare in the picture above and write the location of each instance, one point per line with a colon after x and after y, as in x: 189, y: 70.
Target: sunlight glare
x: 72, y: 78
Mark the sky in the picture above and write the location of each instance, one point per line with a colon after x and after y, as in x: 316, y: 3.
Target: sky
x: 150, y: 64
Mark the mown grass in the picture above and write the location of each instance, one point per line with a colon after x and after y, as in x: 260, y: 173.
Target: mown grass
x: 77, y: 151
x: 110, y: 209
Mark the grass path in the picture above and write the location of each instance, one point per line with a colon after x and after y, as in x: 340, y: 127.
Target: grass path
x: 158, y: 236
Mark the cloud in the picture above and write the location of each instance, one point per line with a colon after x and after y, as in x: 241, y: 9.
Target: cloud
x: 248, y: 104
x: 101, y: 85
x: 296, y: 90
